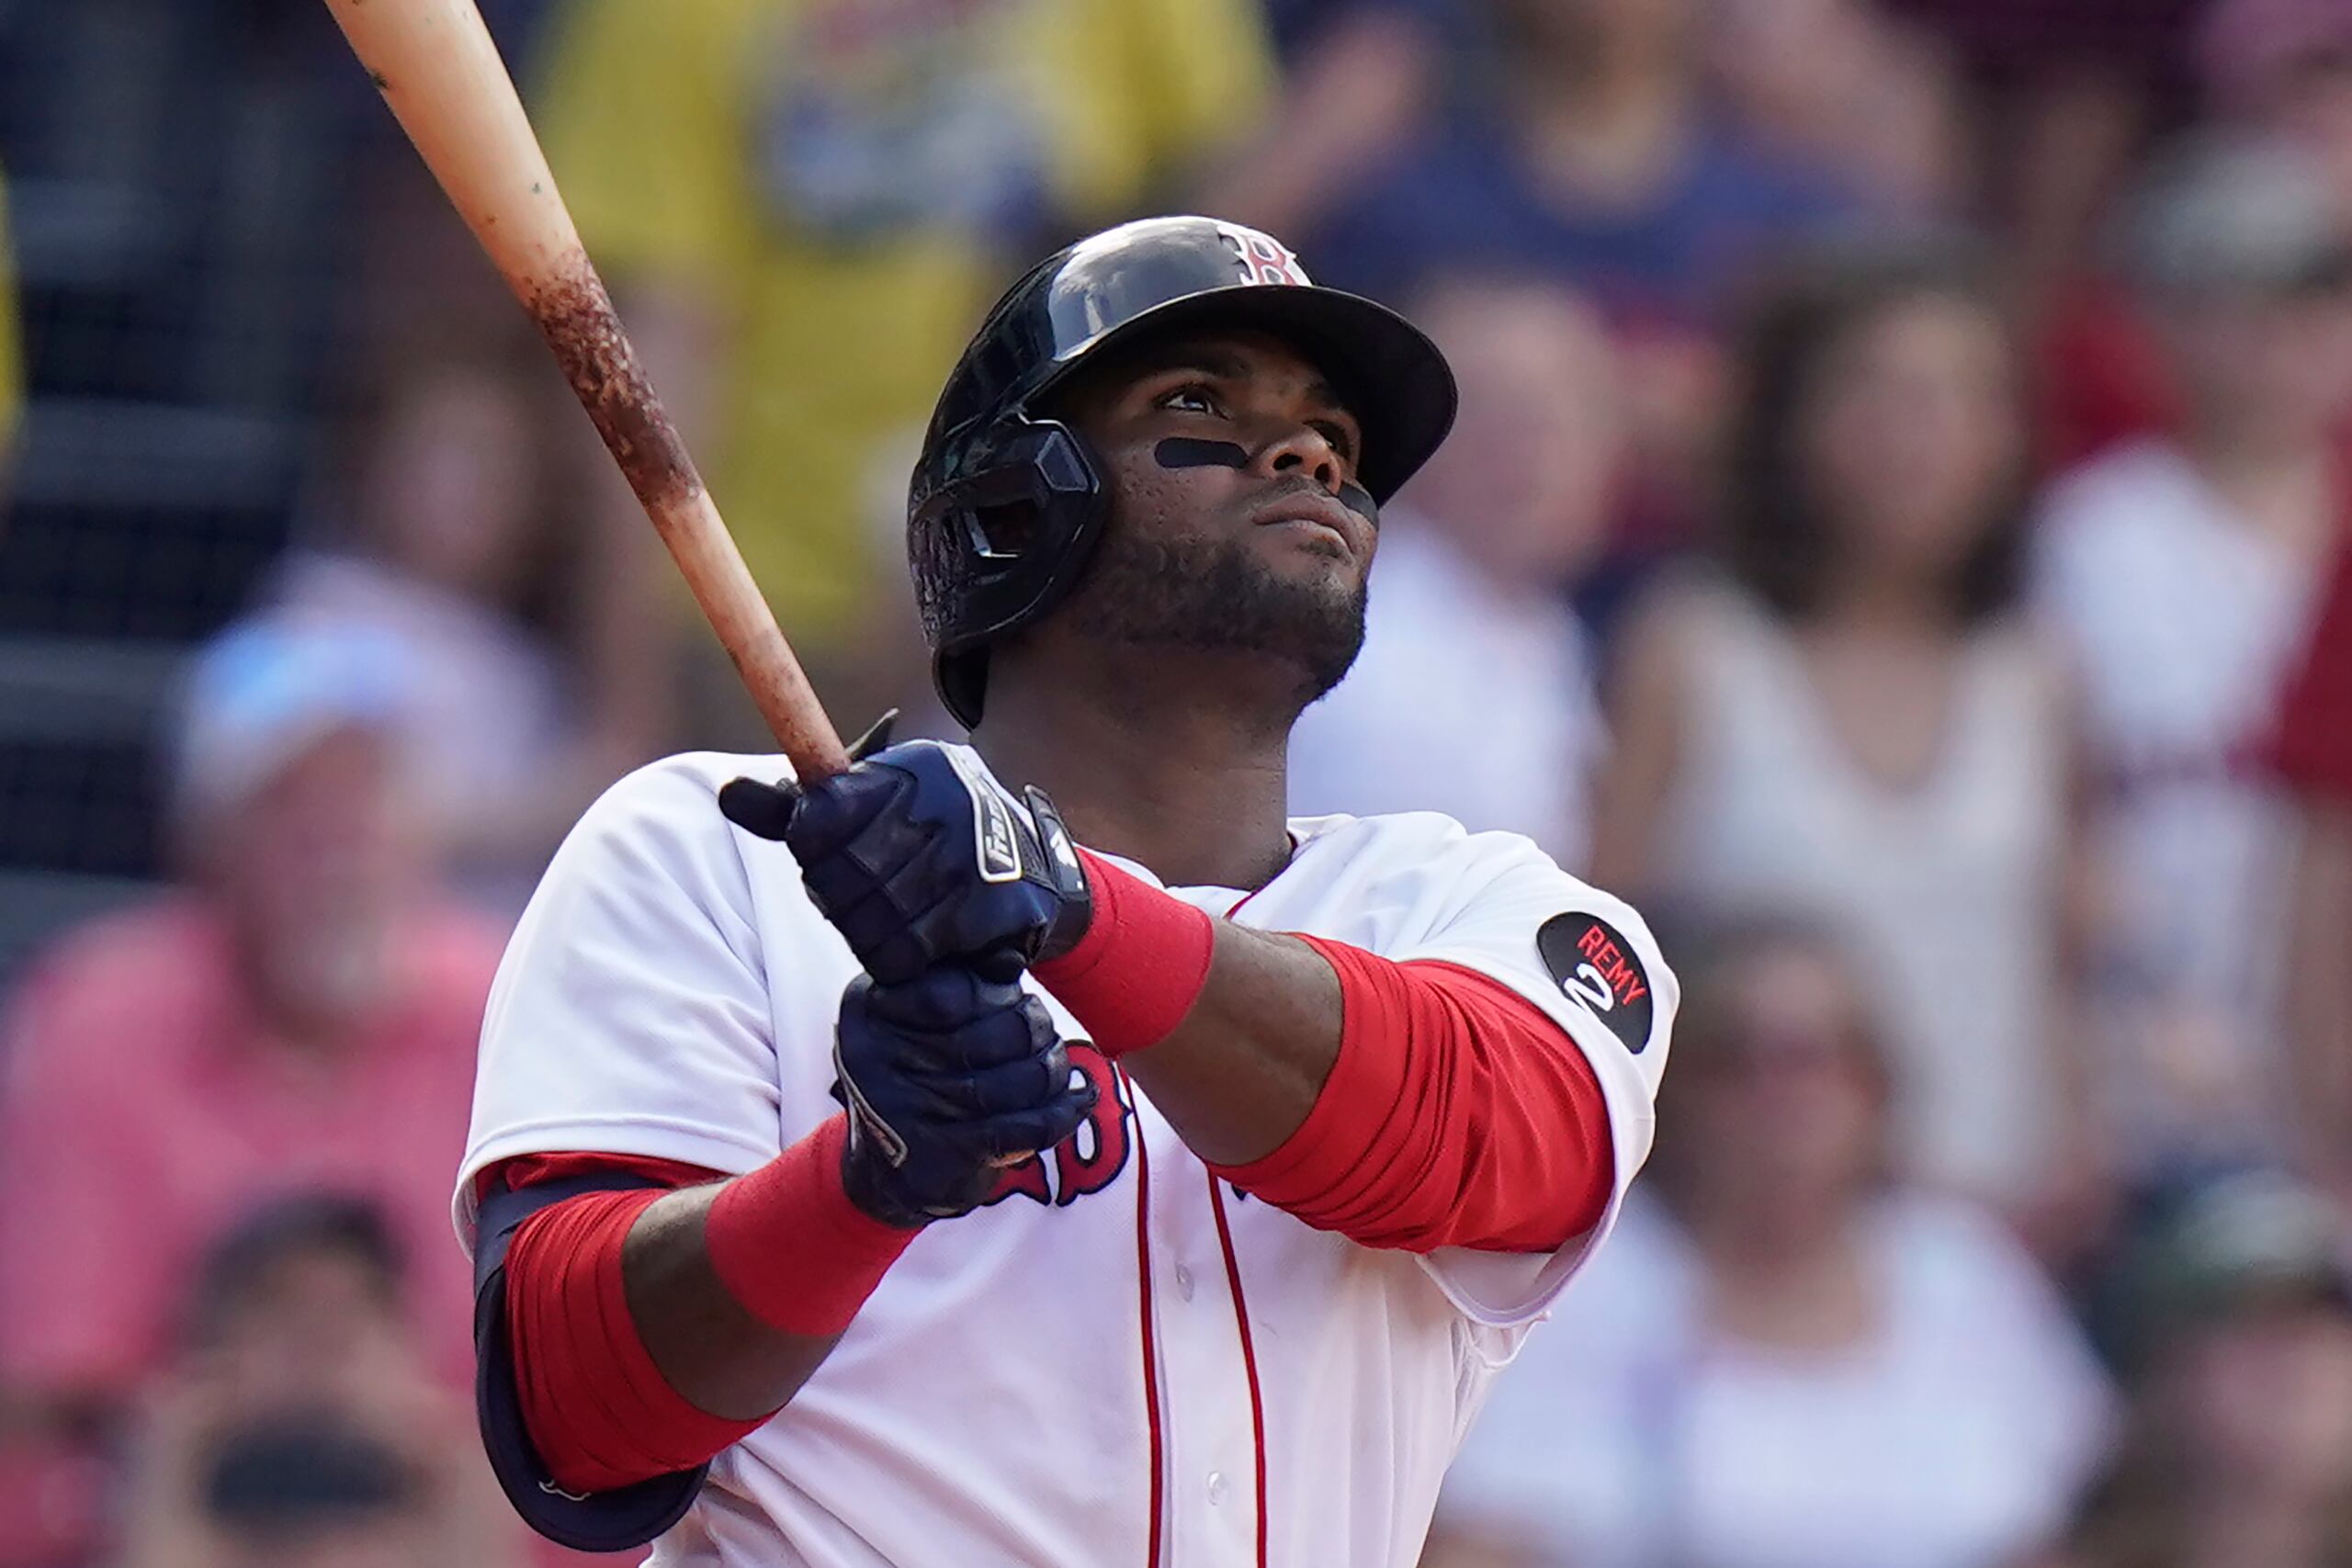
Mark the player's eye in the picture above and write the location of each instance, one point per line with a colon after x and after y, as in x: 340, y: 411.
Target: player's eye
x: 1189, y: 398
x: 1342, y: 439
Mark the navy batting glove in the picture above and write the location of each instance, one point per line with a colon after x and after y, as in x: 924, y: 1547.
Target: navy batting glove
x: 918, y: 857
x: 947, y: 1077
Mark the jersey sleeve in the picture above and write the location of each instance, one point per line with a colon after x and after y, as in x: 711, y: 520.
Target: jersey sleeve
x: 631, y: 1014
x: 1589, y: 962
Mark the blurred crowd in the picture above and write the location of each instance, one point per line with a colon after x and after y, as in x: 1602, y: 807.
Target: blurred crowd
x: 1896, y: 535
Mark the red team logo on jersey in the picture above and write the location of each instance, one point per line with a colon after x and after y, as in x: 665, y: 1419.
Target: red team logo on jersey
x: 1265, y: 259
x: 1089, y: 1160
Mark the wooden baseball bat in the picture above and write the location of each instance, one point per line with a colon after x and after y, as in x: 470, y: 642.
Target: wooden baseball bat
x: 435, y: 63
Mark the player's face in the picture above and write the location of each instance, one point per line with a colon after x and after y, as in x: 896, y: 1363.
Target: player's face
x: 1237, y: 523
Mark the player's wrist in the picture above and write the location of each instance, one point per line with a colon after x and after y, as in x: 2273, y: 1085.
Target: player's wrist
x: 865, y: 1181
x: 1138, y: 966
x: 792, y: 1246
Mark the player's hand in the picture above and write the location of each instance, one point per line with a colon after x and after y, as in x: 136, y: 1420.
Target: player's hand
x: 947, y: 1077
x: 918, y: 857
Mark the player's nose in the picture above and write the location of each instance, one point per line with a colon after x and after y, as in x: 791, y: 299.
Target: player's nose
x: 1303, y: 449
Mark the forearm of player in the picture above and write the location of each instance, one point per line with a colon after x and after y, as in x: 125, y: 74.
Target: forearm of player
x: 1405, y: 1105
x: 1239, y: 1074
x: 650, y: 1330
x: 1233, y: 1030
x: 713, y: 1350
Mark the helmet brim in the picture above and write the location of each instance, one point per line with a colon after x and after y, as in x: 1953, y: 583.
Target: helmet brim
x: 1385, y: 370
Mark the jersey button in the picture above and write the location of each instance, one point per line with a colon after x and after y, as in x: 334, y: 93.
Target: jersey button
x: 1216, y: 1487
x: 1184, y: 1281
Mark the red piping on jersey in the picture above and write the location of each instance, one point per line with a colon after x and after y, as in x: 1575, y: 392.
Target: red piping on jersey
x: 1142, y: 1295
x: 1248, y: 1355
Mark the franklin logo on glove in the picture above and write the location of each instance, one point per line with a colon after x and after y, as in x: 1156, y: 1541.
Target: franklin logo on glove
x: 1000, y: 850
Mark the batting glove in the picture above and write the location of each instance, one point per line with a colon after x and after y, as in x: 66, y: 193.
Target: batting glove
x: 947, y: 1077
x: 918, y: 857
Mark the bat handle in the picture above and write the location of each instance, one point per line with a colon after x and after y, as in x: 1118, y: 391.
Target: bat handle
x: 714, y: 569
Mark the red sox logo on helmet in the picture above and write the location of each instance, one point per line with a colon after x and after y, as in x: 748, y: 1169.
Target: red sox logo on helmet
x: 1264, y: 258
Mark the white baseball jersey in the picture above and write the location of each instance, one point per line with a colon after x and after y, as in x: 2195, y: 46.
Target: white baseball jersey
x: 1120, y: 1359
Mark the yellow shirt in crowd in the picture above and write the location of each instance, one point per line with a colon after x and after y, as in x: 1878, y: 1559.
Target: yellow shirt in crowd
x: 840, y: 181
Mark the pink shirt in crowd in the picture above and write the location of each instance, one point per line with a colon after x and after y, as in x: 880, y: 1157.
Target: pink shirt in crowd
x: 143, y: 1111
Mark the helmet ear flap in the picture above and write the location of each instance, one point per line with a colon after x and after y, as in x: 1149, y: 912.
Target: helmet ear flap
x: 997, y: 546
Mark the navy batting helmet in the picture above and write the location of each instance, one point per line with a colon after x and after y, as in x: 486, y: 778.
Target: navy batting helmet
x: 1007, y: 504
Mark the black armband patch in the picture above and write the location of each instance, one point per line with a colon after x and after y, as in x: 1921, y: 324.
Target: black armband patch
x: 1597, y: 969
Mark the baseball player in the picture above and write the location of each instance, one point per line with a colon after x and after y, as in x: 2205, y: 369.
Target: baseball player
x: 1043, y: 1153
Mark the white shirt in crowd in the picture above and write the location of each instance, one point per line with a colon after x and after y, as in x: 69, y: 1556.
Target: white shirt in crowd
x: 1633, y: 1434
x: 2185, y: 620
x: 1465, y: 700
x: 1120, y: 1359
x: 1946, y: 891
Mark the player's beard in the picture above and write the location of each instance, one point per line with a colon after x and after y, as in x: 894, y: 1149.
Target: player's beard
x: 1210, y: 595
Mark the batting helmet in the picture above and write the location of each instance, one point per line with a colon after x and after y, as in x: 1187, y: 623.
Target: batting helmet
x: 1007, y: 504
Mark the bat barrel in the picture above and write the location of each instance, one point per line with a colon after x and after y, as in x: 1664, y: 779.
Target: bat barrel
x: 576, y: 315
x: 437, y: 68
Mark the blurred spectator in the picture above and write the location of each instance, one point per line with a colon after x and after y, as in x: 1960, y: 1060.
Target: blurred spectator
x: 2281, y: 68
x: 301, y: 1014
x: 1298, y: 26
x: 445, y: 540
x: 2067, y: 93
x: 303, y: 1428
x: 1474, y: 693
x: 1359, y: 79
x: 1847, y: 718
x: 2239, y: 1450
x: 2184, y: 572
x: 807, y: 204
x: 1836, y: 84
x: 1788, y: 1358
x: 2315, y: 755
x: 1598, y: 157
x: 2286, y: 66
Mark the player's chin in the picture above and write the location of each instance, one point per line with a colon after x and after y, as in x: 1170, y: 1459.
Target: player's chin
x: 1306, y: 549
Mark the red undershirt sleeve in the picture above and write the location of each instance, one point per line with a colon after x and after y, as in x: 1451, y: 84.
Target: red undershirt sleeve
x: 1457, y: 1114
x: 784, y: 1240
x: 598, y: 1410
